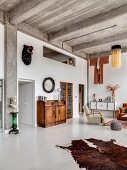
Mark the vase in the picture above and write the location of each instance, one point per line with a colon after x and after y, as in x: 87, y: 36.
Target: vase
x: 113, y: 96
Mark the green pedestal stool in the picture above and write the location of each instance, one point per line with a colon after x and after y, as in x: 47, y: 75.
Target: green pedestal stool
x: 14, y: 129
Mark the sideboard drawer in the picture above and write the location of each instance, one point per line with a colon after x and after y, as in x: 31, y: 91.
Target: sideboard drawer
x: 112, y: 106
x: 101, y: 106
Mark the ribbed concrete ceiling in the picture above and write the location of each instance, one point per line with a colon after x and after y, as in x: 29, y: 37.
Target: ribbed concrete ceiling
x: 82, y: 26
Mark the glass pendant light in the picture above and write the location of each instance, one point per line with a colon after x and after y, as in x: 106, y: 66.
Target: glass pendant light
x: 116, y: 56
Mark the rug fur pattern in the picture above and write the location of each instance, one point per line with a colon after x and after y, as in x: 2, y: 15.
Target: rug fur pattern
x: 94, y: 154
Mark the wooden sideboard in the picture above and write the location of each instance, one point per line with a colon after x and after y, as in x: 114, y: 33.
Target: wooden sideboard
x: 51, y: 113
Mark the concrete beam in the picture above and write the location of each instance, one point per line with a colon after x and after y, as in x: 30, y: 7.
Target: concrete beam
x: 61, y: 14
x: 27, y: 29
x: 68, y: 48
x: 106, y: 53
x: 28, y: 9
x: 10, y: 86
x: 58, y: 8
x: 1, y: 16
x: 62, y: 45
x: 90, y: 24
x: 2, y: 1
x: 87, y: 45
x: 81, y: 54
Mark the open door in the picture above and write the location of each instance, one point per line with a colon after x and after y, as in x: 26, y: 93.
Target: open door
x: 26, y: 103
x: 81, y: 97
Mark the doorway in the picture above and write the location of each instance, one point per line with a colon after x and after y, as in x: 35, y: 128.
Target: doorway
x: 81, y: 97
x: 26, y: 92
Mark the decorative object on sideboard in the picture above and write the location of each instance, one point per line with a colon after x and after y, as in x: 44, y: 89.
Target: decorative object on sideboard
x: 108, y: 99
x: 27, y: 54
x: 116, y: 56
x: 112, y: 89
x: 100, y: 100
x: 94, y: 97
x: 45, y: 99
x: 48, y: 85
x: 57, y: 94
x: 98, y: 64
x: 42, y: 98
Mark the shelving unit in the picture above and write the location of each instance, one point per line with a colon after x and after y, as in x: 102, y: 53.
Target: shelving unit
x: 66, y: 94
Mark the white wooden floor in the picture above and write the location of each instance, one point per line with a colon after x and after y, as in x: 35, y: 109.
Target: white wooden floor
x: 34, y: 148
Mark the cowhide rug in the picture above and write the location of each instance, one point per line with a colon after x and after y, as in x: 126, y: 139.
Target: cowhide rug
x: 94, y: 154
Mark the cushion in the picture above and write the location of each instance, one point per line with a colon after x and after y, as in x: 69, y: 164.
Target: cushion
x: 123, y: 109
x: 125, y: 116
x: 124, y: 104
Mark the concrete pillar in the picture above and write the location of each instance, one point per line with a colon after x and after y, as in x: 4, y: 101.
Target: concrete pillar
x: 88, y: 65
x: 10, y: 89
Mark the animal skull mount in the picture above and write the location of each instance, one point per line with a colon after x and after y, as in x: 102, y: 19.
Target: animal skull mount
x: 27, y: 54
x: 98, y: 64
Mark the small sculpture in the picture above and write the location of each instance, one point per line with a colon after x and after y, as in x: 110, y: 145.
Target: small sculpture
x: 27, y: 54
x: 94, y: 97
x: 13, y: 103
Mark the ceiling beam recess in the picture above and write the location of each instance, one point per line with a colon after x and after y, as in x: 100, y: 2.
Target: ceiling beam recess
x: 28, y: 9
x: 90, y: 24
x: 87, y: 45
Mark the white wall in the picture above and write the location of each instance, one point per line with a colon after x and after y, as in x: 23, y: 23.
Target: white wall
x: 1, y: 51
x: 42, y: 67
x: 111, y: 76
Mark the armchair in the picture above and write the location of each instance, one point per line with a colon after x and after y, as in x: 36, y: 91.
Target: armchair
x: 122, y: 112
x: 93, y: 118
